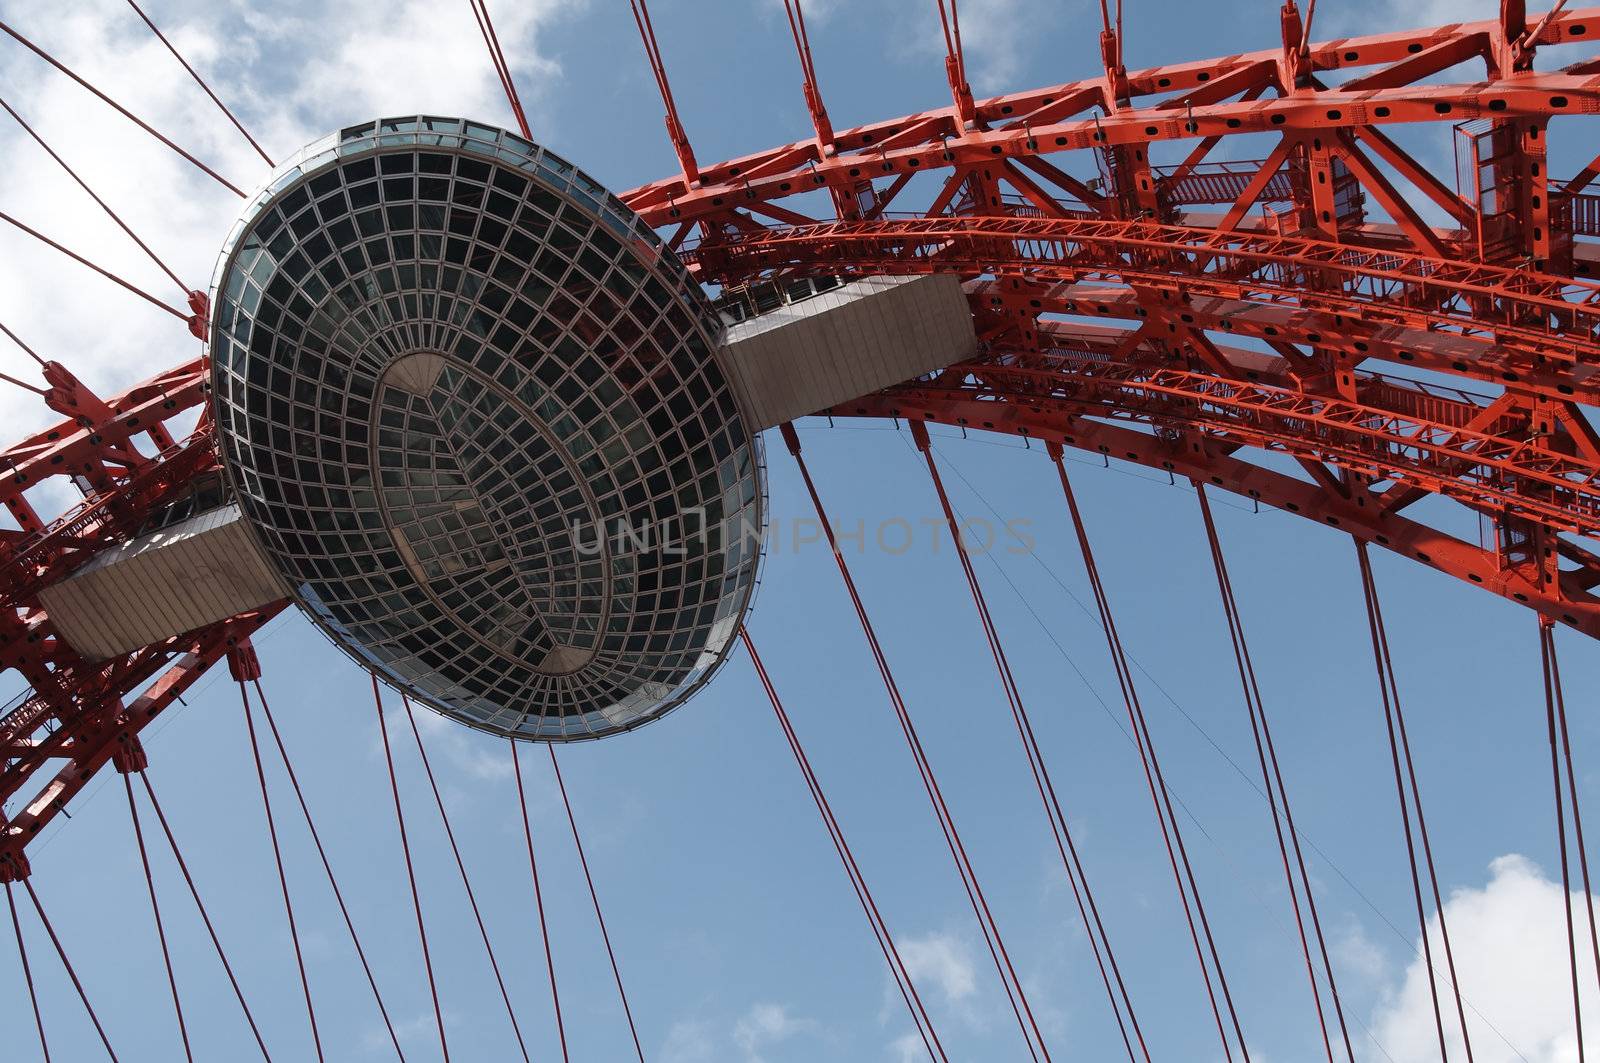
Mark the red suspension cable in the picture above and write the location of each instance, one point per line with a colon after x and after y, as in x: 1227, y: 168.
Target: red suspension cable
x: 98, y: 201
x: 1400, y: 747
x: 327, y: 867
x: 538, y: 897
x: 1572, y: 794
x: 198, y: 80
x: 1561, y: 751
x: 205, y: 917
x: 1015, y: 994
x: 880, y: 929
x: 66, y: 963
x: 129, y: 115
x: 1088, y: 910
x: 808, y: 70
x: 283, y: 878
x: 1171, y: 832
x: 502, y: 69
x: 411, y: 874
x: 140, y: 292
x: 594, y: 897
x: 652, y: 49
x: 466, y: 883
x: 27, y: 972
x: 18, y: 341
x: 155, y: 908
x: 1277, y: 793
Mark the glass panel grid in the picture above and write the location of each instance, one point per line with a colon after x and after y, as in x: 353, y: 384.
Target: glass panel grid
x: 444, y: 383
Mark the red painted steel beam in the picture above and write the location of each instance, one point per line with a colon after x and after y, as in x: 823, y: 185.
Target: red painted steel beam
x: 1213, y: 462
x: 1056, y: 119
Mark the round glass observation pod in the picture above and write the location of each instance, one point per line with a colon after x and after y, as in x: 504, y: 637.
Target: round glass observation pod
x: 473, y: 411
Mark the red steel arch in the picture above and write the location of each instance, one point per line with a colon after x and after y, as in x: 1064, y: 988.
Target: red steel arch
x: 1105, y: 305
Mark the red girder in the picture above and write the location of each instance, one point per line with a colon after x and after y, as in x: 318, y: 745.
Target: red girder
x: 1196, y: 457
x: 1537, y: 317
x: 1056, y: 119
x: 1486, y: 471
x: 102, y: 728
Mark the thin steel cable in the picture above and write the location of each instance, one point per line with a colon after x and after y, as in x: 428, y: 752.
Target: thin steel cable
x: 327, y: 867
x: 140, y: 292
x: 1060, y: 830
x: 538, y: 897
x: 18, y: 341
x: 1572, y: 791
x: 466, y: 882
x: 1049, y: 633
x: 1561, y: 836
x: 1016, y: 996
x: 594, y: 897
x: 411, y: 874
x: 27, y: 973
x: 72, y: 974
x: 23, y: 384
x: 198, y: 80
x: 283, y: 878
x: 205, y: 917
x: 94, y: 196
x: 1277, y: 793
x: 880, y: 928
x: 1395, y: 719
x: 502, y: 67
x: 155, y: 909
x: 135, y: 119
x: 1155, y: 780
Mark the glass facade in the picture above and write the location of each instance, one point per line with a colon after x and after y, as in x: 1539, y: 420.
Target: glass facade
x: 474, y: 413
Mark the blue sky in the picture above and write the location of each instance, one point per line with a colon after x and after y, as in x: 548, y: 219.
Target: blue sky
x: 737, y: 934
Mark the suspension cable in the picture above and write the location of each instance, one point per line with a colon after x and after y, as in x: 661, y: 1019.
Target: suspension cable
x: 652, y: 49
x: 594, y: 897
x: 1400, y: 746
x: 18, y: 341
x: 24, y: 385
x: 1277, y: 794
x: 1561, y: 748
x: 283, y: 878
x: 466, y: 883
x: 808, y: 70
x: 411, y: 874
x: 27, y: 972
x: 1015, y: 994
x: 1171, y: 831
x: 1572, y: 792
x: 135, y: 119
x: 880, y: 929
x: 92, y: 195
x: 538, y: 897
x: 198, y: 80
x: 44, y: 920
x: 140, y: 292
x: 327, y: 867
x: 502, y: 68
x: 155, y: 908
x: 1083, y: 894
x: 205, y: 917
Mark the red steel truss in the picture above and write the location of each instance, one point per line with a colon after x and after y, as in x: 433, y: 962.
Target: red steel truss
x: 1134, y: 298
x: 77, y: 716
x: 1254, y: 325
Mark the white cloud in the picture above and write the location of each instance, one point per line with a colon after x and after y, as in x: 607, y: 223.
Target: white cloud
x: 689, y: 1041
x: 942, y: 961
x: 1511, y: 955
x: 292, y: 71
x: 764, y: 1026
